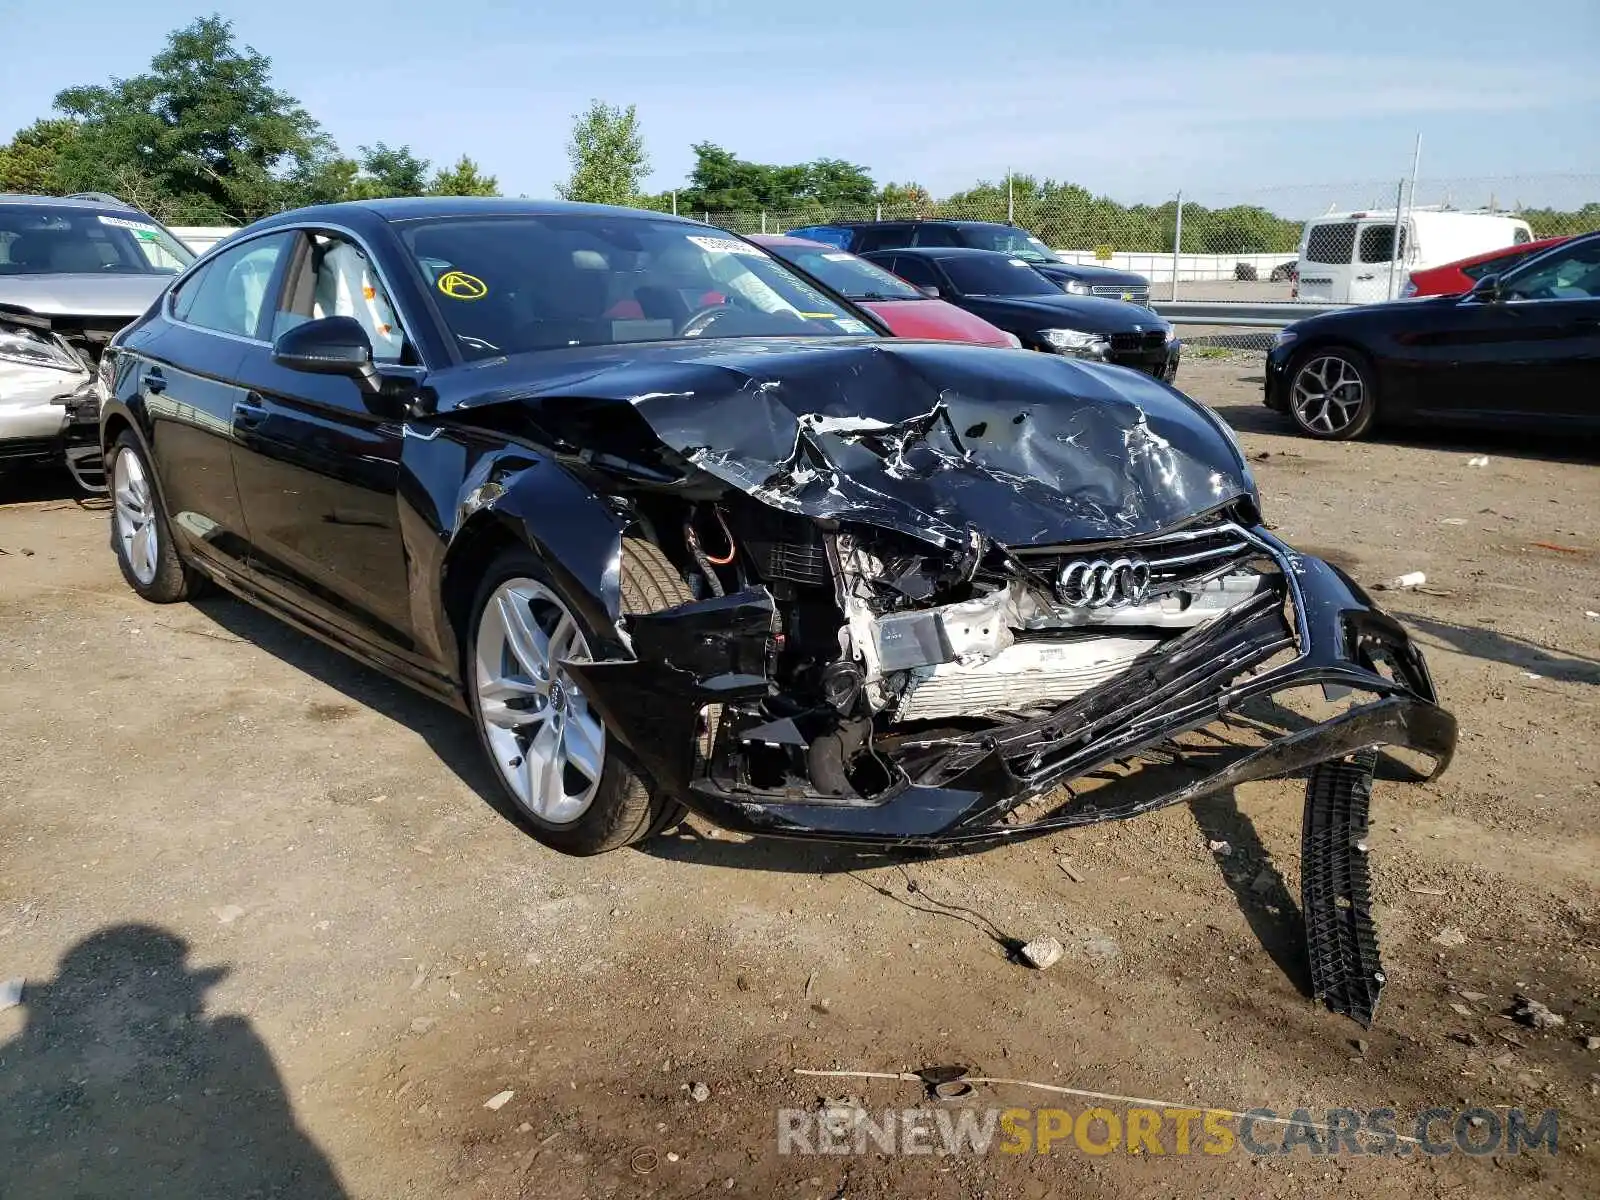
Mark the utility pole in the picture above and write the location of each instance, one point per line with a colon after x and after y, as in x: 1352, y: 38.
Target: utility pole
x: 674, y: 201
x: 1177, y: 246
x: 1011, y: 205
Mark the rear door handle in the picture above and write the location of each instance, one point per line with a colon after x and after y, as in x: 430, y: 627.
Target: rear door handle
x: 1364, y: 278
x: 154, y: 380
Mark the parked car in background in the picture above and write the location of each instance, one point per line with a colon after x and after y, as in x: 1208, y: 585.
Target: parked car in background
x: 907, y: 311
x: 1454, y: 278
x: 1351, y: 258
x: 1284, y: 272
x: 1006, y: 291
x: 1519, y: 349
x: 860, y: 237
x: 73, y: 271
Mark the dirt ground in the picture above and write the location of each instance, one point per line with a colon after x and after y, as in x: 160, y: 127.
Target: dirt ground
x: 277, y: 942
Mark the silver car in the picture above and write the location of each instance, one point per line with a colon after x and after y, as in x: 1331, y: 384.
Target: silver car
x: 73, y: 271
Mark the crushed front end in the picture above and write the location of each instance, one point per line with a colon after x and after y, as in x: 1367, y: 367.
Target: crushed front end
x: 869, y: 691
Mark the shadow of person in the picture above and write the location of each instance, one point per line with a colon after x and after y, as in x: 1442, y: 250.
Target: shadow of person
x: 120, y: 1086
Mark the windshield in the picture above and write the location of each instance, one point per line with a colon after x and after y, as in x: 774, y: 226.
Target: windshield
x: 1018, y: 243
x: 509, y: 284
x: 993, y: 275
x: 37, y: 239
x: 849, y: 275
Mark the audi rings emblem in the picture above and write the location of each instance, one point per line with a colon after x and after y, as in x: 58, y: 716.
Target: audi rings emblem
x: 1105, y: 583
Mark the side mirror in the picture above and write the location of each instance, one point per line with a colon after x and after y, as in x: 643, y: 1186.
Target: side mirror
x: 928, y: 290
x: 329, y: 346
x: 1487, y: 290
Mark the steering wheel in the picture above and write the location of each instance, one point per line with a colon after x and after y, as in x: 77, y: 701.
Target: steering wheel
x: 698, y: 322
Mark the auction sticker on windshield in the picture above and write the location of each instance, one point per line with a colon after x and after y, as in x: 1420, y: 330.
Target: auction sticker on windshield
x: 726, y: 246
x: 124, y: 223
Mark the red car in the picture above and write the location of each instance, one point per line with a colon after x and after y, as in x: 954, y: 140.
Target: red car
x: 1454, y: 278
x: 904, y: 309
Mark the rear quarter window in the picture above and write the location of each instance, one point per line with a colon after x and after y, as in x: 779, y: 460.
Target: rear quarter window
x: 1333, y: 243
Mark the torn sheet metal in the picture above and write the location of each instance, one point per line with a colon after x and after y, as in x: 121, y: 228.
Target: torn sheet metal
x: 932, y: 441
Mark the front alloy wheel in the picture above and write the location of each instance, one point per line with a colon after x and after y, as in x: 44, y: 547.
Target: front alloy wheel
x: 548, y: 747
x: 1330, y: 396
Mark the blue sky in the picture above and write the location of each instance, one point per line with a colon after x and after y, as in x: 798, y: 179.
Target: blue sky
x: 1228, y: 99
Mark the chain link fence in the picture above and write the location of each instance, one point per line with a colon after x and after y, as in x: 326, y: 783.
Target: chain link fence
x: 1218, y: 247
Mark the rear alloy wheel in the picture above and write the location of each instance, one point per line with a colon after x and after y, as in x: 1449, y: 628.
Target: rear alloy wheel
x: 140, y: 534
x: 551, y: 753
x: 1330, y: 394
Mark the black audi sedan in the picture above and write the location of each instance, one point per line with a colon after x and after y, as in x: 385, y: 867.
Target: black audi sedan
x: 677, y: 527
x: 1519, y: 350
x: 1007, y: 292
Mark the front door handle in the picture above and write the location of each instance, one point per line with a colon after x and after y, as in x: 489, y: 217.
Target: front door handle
x: 154, y: 380
x: 1364, y: 278
x: 248, y: 416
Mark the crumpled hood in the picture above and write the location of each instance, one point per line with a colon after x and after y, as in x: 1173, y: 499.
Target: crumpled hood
x: 88, y: 295
x: 932, y: 440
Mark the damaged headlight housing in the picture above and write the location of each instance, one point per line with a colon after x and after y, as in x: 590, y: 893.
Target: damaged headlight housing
x: 1076, y: 342
x: 20, y: 344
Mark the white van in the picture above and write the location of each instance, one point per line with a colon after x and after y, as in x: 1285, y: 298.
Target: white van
x: 1345, y: 258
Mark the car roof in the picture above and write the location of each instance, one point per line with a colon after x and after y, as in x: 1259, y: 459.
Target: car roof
x: 81, y: 200
x: 942, y: 252
x: 1532, y: 247
x: 420, y: 208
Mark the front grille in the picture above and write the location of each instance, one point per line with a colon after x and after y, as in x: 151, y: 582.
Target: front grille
x: 1138, y: 343
x: 1133, y: 293
x: 1178, y: 558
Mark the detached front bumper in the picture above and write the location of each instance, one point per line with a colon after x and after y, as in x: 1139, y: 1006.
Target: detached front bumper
x: 1313, y: 627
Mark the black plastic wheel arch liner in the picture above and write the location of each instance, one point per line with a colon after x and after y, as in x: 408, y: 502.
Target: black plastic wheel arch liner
x: 711, y: 652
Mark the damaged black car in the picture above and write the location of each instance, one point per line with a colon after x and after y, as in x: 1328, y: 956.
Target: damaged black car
x: 681, y: 530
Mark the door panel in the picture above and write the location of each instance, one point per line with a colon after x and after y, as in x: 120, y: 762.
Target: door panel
x: 190, y: 410
x: 319, y: 475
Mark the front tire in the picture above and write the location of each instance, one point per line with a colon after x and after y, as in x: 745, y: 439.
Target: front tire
x: 1331, y: 393
x: 140, y: 532
x: 550, y: 754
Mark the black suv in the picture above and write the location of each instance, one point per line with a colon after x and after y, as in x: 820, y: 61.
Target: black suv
x: 1077, y: 279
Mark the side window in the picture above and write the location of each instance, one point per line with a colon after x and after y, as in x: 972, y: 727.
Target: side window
x: 880, y: 237
x: 345, y: 284
x: 1377, y: 243
x: 935, y: 235
x: 1573, y: 275
x: 916, y: 271
x: 227, y: 294
x: 1492, y: 266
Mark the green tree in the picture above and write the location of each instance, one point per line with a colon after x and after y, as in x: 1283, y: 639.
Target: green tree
x: 201, y: 138
x: 721, y: 182
x: 464, y: 179
x: 31, y: 161
x: 388, y: 172
x: 607, y: 156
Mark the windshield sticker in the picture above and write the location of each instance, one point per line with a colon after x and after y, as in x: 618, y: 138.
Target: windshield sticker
x: 146, y: 235
x: 1017, y: 262
x: 851, y: 325
x: 124, y: 223
x: 458, y: 285
x: 838, y: 257
x: 726, y: 246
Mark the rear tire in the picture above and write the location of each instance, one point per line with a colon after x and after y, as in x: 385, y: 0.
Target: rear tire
x: 141, y: 536
x: 508, y: 689
x: 1332, y: 394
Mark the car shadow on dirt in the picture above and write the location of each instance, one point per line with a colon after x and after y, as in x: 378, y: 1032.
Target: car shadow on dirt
x: 448, y: 733
x: 1493, y: 646
x: 121, y: 1086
